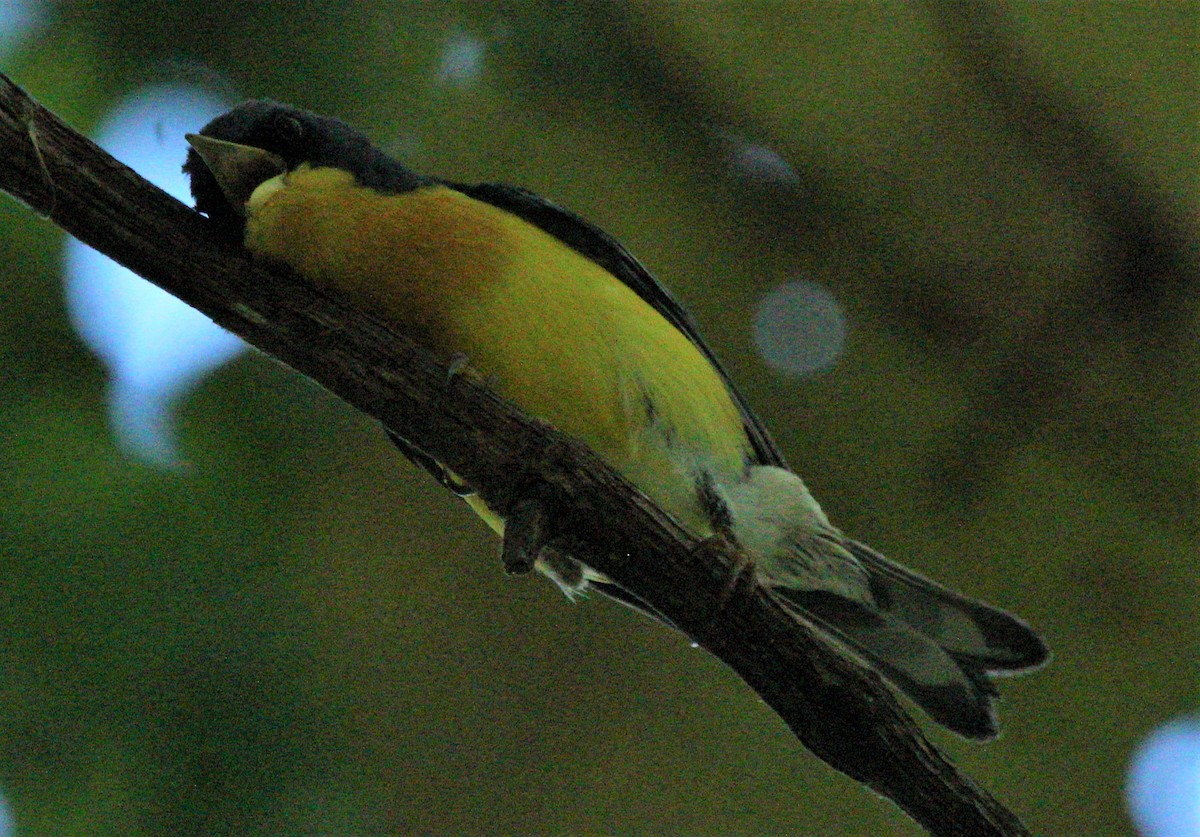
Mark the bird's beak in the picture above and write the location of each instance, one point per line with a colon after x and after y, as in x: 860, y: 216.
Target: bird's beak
x: 238, y: 169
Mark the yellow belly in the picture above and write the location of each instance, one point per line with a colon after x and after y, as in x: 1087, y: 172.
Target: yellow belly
x: 551, y: 330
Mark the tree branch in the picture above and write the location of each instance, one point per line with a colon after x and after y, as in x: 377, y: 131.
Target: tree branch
x: 836, y: 707
x: 1142, y: 285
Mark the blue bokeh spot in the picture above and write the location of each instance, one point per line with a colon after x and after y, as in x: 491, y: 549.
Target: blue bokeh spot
x: 1164, y: 781
x: 462, y: 59
x: 156, y: 348
x: 18, y: 20
x: 800, y: 329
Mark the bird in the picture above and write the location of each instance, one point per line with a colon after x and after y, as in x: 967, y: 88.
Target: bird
x: 563, y: 321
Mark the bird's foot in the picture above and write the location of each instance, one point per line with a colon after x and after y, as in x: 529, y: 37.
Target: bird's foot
x: 457, y: 366
x: 525, y: 536
x: 741, y: 573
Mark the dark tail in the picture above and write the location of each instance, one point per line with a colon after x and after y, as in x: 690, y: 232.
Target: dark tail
x: 936, y: 646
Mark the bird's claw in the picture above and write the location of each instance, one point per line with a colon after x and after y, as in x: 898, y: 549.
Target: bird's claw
x: 525, y: 536
x: 740, y: 574
x: 458, y: 364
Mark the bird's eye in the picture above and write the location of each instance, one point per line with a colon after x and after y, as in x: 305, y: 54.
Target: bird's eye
x: 288, y: 128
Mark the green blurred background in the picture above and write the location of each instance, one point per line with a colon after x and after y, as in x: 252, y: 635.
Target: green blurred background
x: 299, y: 633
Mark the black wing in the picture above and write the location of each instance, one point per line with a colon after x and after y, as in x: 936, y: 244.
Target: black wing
x: 593, y: 242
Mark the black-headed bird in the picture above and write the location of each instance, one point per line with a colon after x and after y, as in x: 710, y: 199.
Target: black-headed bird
x: 561, y: 320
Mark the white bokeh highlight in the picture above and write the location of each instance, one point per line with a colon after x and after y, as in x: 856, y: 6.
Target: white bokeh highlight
x: 462, y: 59
x: 754, y: 163
x: 758, y: 163
x: 799, y: 328
x: 19, y: 19
x: 1163, y: 789
x: 156, y: 349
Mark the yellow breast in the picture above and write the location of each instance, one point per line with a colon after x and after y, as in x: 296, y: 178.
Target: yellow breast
x: 556, y: 333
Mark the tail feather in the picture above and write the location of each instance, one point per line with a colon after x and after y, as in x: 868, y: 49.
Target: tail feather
x: 971, y: 631
x: 936, y: 646
x: 958, y: 697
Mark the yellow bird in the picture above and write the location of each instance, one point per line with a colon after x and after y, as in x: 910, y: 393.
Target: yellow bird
x: 570, y: 327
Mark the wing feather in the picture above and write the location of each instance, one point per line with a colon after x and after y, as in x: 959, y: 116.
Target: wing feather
x: 594, y: 243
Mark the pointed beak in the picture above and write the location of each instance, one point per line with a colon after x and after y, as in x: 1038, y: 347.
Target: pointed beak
x: 238, y: 169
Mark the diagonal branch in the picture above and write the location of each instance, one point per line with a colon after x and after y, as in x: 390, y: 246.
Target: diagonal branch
x: 1142, y: 284
x: 836, y: 707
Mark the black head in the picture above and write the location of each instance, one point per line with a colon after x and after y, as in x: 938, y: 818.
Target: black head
x: 294, y: 136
